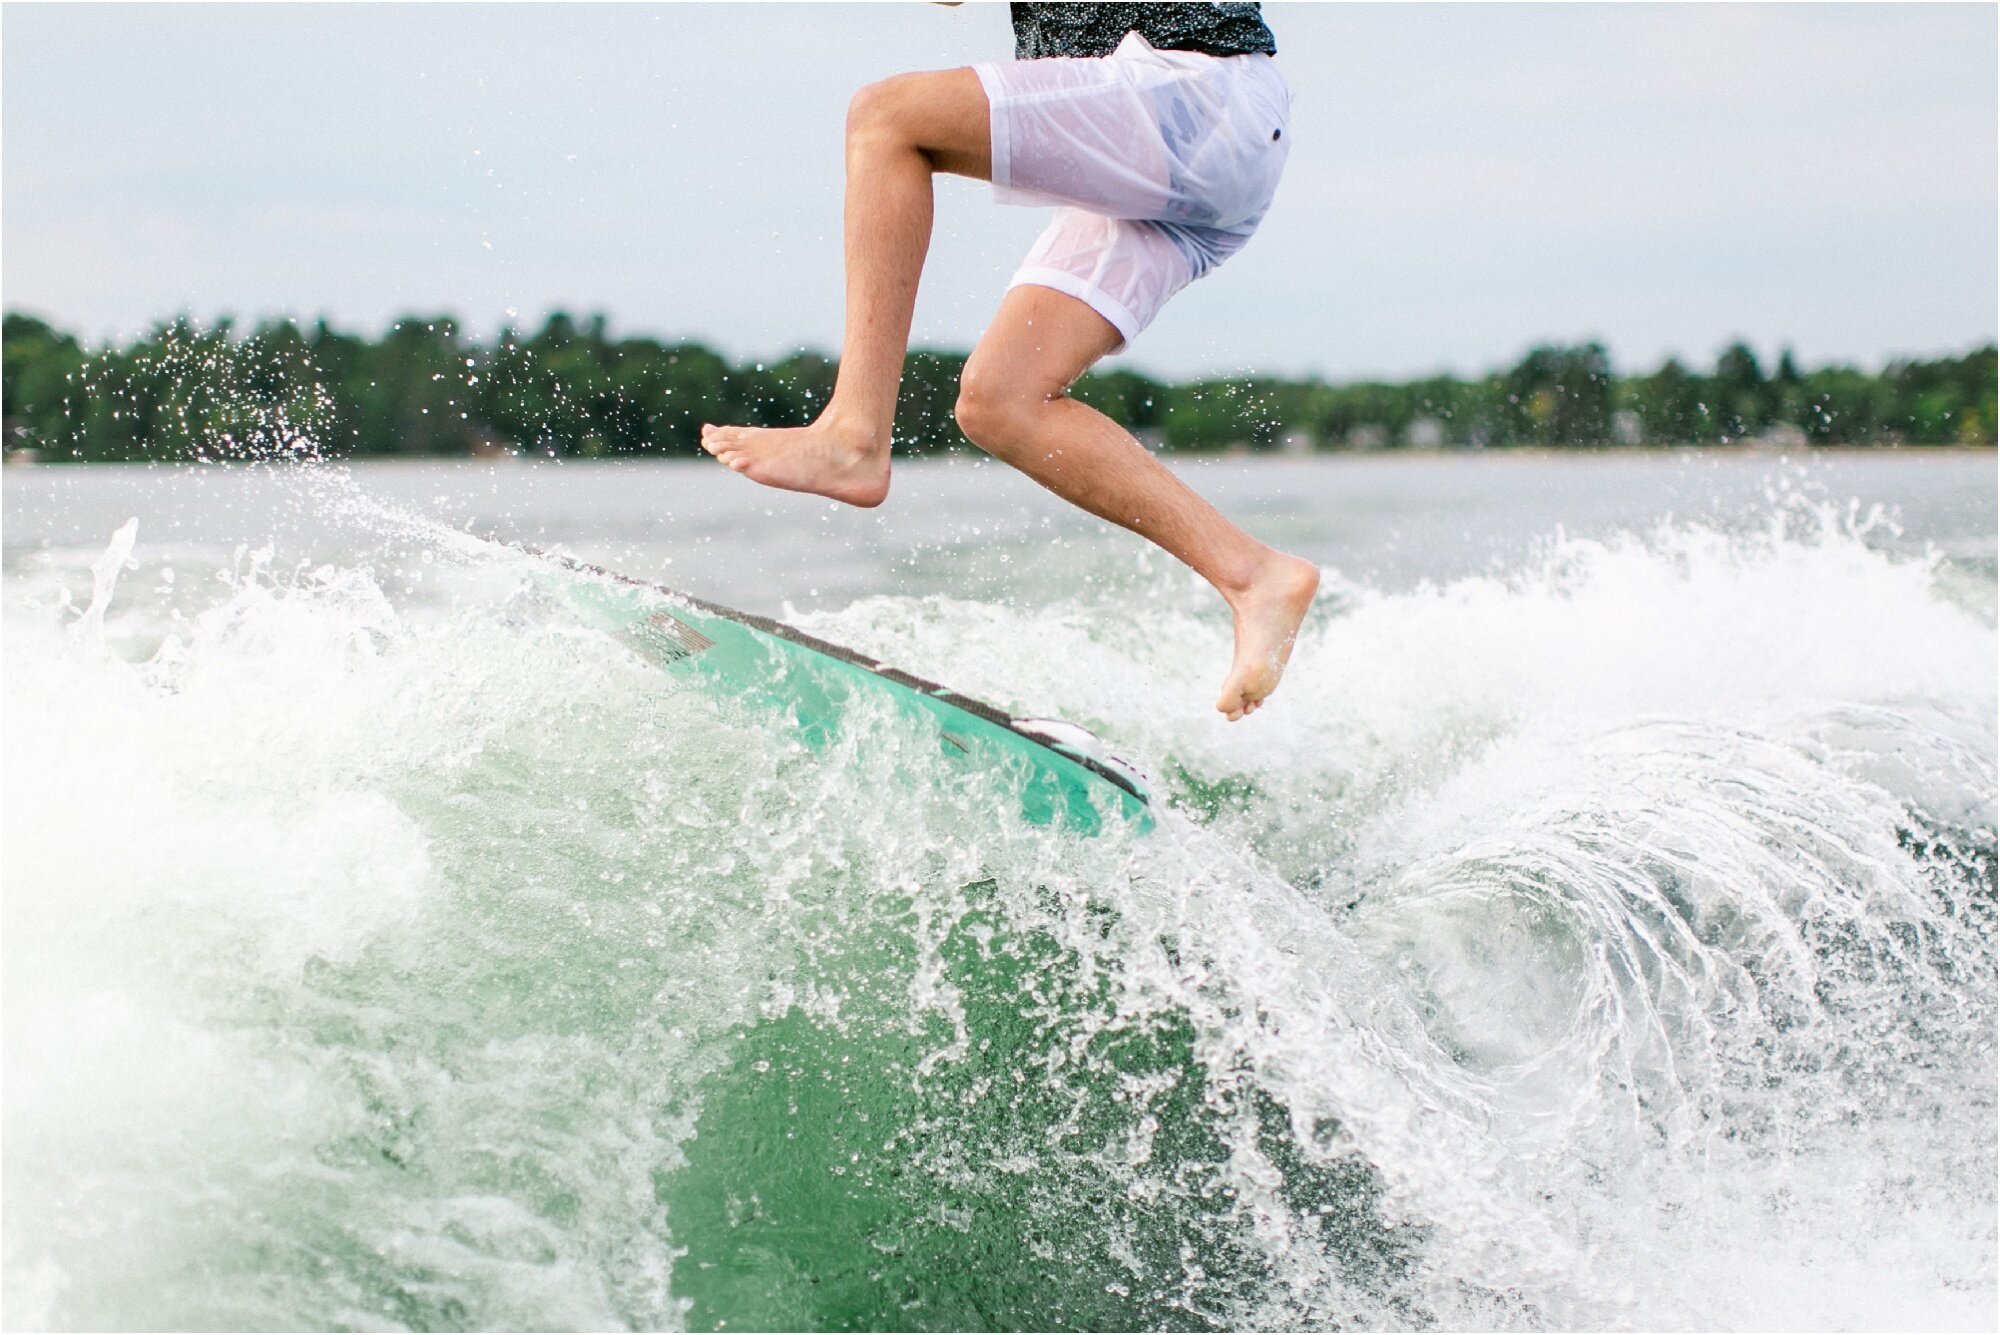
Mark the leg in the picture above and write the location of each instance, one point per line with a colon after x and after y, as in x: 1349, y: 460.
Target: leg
x: 899, y: 131
x: 1014, y: 404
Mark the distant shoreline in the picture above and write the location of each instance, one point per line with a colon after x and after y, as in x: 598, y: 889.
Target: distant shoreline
x: 423, y: 389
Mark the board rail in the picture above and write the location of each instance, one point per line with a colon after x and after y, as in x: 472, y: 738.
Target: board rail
x: 1105, y: 767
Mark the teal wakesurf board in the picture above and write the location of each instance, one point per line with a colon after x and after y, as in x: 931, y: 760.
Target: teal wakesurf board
x: 1062, y: 773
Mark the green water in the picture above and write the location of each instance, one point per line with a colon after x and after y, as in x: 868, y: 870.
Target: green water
x: 1607, y: 942
x: 1047, y: 1163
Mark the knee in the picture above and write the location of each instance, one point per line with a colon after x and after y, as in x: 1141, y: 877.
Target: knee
x: 878, y: 108
x: 990, y: 411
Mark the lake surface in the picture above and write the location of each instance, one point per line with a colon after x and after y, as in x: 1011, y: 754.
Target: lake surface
x: 1596, y: 929
x: 1386, y: 522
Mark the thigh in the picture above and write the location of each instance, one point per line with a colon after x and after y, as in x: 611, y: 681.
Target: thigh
x: 1075, y: 131
x: 1039, y: 343
x: 1159, y: 136
x: 1125, y: 270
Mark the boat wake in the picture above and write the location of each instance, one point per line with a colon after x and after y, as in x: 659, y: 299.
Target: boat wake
x: 1609, y: 943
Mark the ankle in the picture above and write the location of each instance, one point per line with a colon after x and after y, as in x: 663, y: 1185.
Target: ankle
x: 1247, y: 572
x: 1270, y: 574
x: 863, y: 435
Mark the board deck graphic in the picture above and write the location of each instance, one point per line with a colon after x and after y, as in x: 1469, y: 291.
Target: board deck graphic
x: 1062, y: 772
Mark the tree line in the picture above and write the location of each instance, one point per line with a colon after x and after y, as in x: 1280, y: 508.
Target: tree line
x: 572, y: 390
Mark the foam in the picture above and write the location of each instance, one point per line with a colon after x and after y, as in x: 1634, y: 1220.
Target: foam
x: 374, y: 958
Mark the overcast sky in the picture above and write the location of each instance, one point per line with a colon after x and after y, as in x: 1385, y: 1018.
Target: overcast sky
x: 1466, y: 180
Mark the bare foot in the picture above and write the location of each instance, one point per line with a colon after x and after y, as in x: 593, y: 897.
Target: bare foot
x: 823, y: 458
x: 1268, y: 614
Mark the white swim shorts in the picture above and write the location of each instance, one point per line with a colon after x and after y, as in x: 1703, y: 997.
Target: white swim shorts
x: 1164, y: 162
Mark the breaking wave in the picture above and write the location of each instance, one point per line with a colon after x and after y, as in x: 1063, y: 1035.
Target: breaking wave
x: 1608, y: 943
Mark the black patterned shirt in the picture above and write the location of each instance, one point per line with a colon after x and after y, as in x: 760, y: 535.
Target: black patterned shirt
x: 1095, y: 30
